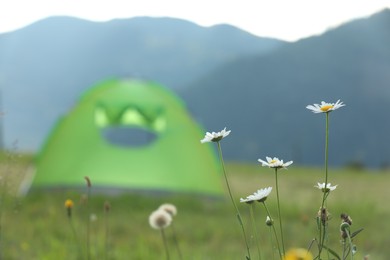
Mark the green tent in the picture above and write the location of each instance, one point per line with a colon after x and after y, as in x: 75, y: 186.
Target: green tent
x: 128, y: 135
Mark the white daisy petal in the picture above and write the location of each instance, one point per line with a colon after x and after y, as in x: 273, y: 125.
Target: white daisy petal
x: 325, y: 107
x: 275, y: 163
x: 215, y: 136
x: 328, y: 188
x: 260, y: 196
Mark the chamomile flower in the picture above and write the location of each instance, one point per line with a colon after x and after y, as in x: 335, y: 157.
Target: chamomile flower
x: 325, y: 107
x: 260, y: 196
x: 275, y: 163
x: 215, y: 137
x: 328, y: 187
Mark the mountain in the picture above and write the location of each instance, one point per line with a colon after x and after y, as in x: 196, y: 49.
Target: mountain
x: 46, y: 66
x: 262, y: 99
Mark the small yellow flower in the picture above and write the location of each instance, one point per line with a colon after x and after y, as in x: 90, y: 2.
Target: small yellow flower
x: 298, y: 254
x: 69, y: 204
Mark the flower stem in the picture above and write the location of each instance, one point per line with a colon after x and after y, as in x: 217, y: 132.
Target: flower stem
x: 88, y: 223
x: 231, y: 197
x: 323, y: 227
x: 272, y: 242
x: 273, y: 227
x: 255, y: 229
x: 350, y: 244
x: 165, y: 243
x: 107, y: 233
x: 176, y: 242
x: 80, y: 251
x: 280, y: 216
x: 326, y: 159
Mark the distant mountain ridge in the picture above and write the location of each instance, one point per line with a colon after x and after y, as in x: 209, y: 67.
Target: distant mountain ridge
x: 256, y: 87
x: 262, y: 99
x: 46, y: 66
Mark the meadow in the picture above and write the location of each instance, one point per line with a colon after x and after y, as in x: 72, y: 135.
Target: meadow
x: 36, y: 226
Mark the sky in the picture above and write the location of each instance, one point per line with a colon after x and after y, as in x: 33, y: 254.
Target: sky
x: 288, y: 20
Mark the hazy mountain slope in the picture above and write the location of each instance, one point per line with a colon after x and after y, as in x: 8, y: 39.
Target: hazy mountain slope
x: 263, y: 99
x: 46, y: 66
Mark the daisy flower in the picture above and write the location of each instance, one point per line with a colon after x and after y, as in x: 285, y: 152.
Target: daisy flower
x: 215, y: 137
x: 275, y: 163
x: 260, y: 196
x: 328, y: 188
x: 160, y: 219
x: 325, y: 107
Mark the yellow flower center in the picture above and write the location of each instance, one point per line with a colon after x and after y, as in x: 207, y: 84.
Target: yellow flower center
x: 326, y: 108
x: 273, y: 161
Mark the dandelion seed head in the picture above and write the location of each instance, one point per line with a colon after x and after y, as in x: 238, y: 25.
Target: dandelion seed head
x: 160, y: 219
x: 169, y: 208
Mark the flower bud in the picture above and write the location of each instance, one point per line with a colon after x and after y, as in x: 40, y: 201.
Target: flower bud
x: 269, y: 222
x: 344, y: 227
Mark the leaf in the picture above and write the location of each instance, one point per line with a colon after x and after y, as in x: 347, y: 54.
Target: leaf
x: 332, y: 252
x: 356, y: 232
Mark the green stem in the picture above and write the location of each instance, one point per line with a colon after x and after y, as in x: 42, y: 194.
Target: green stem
x: 255, y: 229
x: 231, y: 197
x: 273, y: 227
x: 350, y: 244
x: 176, y: 242
x: 107, y: 232
x: 280, y: 215
x: 344, y: 249
x: 88, y: 224
x: 326, y: 149
x: 322, y: 236
x: 165, y: 243
x: 80, y: 253
x: 272, y: 243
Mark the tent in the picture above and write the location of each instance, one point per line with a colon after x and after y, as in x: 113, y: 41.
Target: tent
x: 128, y: 135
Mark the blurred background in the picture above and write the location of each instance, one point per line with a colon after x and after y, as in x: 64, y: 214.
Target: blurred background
x: 251, y: 67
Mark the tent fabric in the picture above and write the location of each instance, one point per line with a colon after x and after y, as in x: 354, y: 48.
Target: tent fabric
x: 129, y: 134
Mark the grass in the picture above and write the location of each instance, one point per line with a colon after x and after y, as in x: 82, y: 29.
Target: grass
x: 36, y: 226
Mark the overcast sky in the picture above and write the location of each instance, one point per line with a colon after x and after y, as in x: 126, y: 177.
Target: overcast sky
x: 283, y: 19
